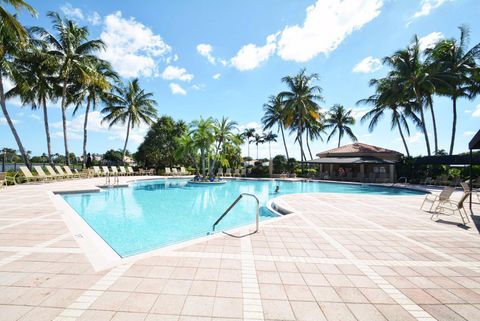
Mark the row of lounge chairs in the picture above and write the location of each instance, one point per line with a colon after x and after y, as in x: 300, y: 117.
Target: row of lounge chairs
x: 228, y: 172
x: 444, y: 181
x: 174, y: 171
x: 114, y: 171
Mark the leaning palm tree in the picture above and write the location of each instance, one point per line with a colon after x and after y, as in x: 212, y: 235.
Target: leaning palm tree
x: 94, y: 90
x: 131, y: 105
x: 203, y: 135
x: 458, y: 64
x: 274, y: 115
x: 269, y: 138
x: 301, y: 102
x: 339, y: 120
x: 13, y: 37
x: 73, y: 51
x: 224, y: 132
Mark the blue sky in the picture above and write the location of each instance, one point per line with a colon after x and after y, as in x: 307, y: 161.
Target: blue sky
x: 224, y: 58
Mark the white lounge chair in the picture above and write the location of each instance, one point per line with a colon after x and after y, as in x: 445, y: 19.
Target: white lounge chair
x: 220, y: 172
x: 54, y: 174
x: 183, y: 171
x: 131, y: 171
x: 97, y: 171
x: 123, y: 171
x: 436, y: 199
x: 114, y: 170
x: 228, y: 172
x: 174, y: 171
x: 68, y: 171
x: 5, y: 179
x: 105, y: 170
x: 41, y: 173
x: 453, y: 207
x: 29, y: 176
x: 168, y: 171
x: 236, y: 172
x: 243, y: 172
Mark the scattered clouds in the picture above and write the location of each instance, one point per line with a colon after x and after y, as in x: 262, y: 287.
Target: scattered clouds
x: 250, y: 56
x: 430, y: 40
x: 468, y: 134
x: 368, y: 65
x: 198, y: 87
x: 205, y: 50
x: 172, y: 73
x: 258, y: 127
x: 476, y: 112
x: 176, y: 89
x: 171, y: 59
x: 132, y: 48
x: 71, y: 12
x: 327, y: 24
x: 94, y: 18
x: 426, y: 7
x: 216, y: 76
x: 3, y: 121
x: 358, y: 113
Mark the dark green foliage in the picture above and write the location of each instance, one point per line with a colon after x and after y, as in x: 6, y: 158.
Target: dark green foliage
x: 279, y: 164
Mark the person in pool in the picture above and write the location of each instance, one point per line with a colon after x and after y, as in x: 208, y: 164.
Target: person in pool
x: 277, y: 189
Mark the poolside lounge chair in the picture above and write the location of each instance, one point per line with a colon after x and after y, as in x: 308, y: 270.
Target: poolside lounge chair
x: 442, y: 180
x: 456, y: 181
x: 4, y: 179
x: 42, y: 174
x: 53, y: 173
x: 168, y: 171
x: 228, y: 172
x: 428, y: 181
x: 236, y: 172
x: 131, y: 171
x: 466, y: 188
x: 243, y: 172
x: 183, y: 171
x: 105, y: 170
x: 443, y: 196
x: 175, y: 172
x: 220, y: 172
x: 123, y: 171
x: 29, y: 176
x: 453, y: 207
x: 68, y: 171
x: 114, y: 171
x: 97, y: 171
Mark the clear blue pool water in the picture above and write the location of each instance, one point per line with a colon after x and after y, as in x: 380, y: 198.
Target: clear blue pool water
x: 155, y: 213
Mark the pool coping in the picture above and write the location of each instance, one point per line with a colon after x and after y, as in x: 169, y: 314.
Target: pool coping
x: 102, y: 256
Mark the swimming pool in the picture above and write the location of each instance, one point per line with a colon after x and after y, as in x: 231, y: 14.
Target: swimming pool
x: 154, y: 213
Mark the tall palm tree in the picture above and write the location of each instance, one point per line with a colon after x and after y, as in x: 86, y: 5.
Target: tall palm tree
x: 249, y: 133
x: 457, y: 63
x: 269, y: 138
x: 34, y: 84
x: 71, y: 47
x: 258, y: 139
x: 314, y: 130
x: 94, y: 90
x: 13, y: 36
x: 301, y: 102
x: 340, y: 120
x: 389, y: 98
x: 203, y: 134
x: 130, y: 104
x: 224, y: 132
x: 274, y: 115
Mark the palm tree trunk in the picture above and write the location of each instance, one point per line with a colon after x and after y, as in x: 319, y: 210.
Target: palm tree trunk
x: 339, y: 138
x: 270, y: 149
x: 47, y: 132
x: 284, y: 143
x: 202, y: 155
x: 308, y: 145
x: 434, y: 122
x: 454, y: 124
x: 257, y: 151
x: 85, y: 123
x: 126, y: 138
x: 403, y: 138
x: 64, y: 122
x: 12, y: 127
x: 424, y: 129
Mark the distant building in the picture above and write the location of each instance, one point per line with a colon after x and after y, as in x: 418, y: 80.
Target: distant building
x: 358, y: 162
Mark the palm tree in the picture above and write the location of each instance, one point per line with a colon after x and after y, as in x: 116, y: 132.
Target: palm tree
x: 274, y: 115
x: 269, y: 138
x: 93, y: 91
x: 131, y: 105
x: 258, y: 139
x: 388, y: 98
x: 12, y: 37
x: 73, y: 51
x: 203, y: 135
x: 186, y: 149
x: 301, y: 103
x: 224, y: 132
x: 314, y: 130
x: 457, y: 63
x: 340, y: 120
x: 249, y: 133
x: 34, y: 84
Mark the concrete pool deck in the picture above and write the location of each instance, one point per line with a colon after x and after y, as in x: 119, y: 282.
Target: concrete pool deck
x: 336, y: 257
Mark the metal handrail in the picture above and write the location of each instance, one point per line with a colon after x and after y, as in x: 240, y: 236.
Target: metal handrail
x: 257, y: 218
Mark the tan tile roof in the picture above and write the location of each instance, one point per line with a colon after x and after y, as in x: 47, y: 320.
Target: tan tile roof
x: 357, y: 148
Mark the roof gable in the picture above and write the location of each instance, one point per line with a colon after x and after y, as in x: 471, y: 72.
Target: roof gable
x: 356, y: 149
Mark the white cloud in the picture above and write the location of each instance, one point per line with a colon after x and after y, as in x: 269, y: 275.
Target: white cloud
x: 94, y: 18
x: 368, y: 65
x: 476, y: 112
x: 216, y: 76
x: 205, y: 50
x: 426, y: 7
x: 250, y: 56
x: 430, y: 40
x: 172, y: 72
x: 176, y: 89
x: 327, y: 24
x: 358, y: 113
x: 258, y: 127
x: 132, y: 48
x: 198, y: 87
x: 468, y: 134
x: 171, y: 59
x: 71, y: 12
x: 36, y: 117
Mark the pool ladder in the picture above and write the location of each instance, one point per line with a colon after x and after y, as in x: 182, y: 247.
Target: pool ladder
x: 257, y: 217
x: 108, y: 177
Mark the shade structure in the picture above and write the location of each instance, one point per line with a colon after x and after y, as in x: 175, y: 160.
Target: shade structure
x: 349, y: 160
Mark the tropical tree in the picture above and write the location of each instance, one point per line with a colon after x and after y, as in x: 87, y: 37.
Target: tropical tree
x: 224, y: 132
x: 389, y: 98
x: 203, y: 135
x: 187, y: 150
x: 73, y: 51
x: 269, y: 138
x: 301, y: 103
x: 340, y: 120
x: 275, y: 115
x: 248, y: 134
x: 458, y: 65
x: 92, y: 91
x: 314, y: 130
x: 258, y: 139
x: 129, y: 104
x: 13, y: 36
